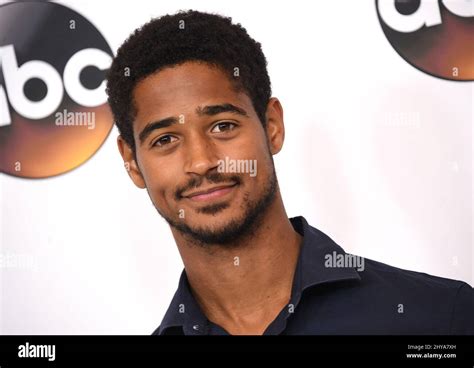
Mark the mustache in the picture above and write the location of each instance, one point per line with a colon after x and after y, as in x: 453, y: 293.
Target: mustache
x: 213, y: 178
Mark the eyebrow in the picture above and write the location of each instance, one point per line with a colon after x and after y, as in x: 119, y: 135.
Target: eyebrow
x: 217, y: 109
x: 210, y: 110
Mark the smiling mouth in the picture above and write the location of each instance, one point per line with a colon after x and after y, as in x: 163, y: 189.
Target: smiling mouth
x: 210, y: 193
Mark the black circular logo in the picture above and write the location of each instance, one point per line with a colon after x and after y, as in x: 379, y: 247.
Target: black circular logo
x: 437, y: 37
x: 53, y: 110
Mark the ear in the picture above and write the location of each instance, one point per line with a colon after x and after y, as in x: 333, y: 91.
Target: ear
x: 275, y: 126
x: 130, y: 163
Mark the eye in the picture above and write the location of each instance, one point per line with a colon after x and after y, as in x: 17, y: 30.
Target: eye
x: 166, y: 139
x: 224, y: 127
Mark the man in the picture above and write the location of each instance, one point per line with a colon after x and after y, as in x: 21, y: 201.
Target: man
x: 198, y: 128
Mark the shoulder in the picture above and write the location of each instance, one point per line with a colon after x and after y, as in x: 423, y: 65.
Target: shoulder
x: 411, y: 280
x: 449, y: 303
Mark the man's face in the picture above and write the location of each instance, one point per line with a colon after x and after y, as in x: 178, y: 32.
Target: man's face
x: 190, y: 125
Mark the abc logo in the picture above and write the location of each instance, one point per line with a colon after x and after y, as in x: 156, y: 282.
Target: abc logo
x: 434, y: 36
x: 53, y: 110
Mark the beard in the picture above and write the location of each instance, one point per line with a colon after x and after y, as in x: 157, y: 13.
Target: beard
x: 237, y: 230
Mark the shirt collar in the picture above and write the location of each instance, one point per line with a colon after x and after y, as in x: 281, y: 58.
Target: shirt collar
x: 311, y: 270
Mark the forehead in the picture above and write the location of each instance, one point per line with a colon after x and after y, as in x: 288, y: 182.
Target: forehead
x: 180, y: 89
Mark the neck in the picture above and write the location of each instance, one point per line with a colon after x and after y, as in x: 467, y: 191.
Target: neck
x: 244, y: 288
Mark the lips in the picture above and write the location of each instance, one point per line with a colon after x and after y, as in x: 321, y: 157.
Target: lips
x: 210, y: 193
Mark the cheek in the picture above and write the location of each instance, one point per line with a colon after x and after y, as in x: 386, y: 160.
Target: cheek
x: 161, y: 180
x: 261, y: 161
x: 252, y: 147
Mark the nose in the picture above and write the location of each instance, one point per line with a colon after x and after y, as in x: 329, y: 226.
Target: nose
x: 200, y: 156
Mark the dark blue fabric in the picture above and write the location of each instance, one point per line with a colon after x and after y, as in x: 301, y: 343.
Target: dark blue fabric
x: 379, y: 299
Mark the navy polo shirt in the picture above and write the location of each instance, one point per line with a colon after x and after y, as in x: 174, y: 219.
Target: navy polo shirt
x: 334, y: 299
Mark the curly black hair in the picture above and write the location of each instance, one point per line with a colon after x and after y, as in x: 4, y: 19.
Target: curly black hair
x: 186, y: 36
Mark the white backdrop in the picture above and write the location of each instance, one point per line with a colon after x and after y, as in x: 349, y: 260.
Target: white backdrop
x: 378, y: 155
